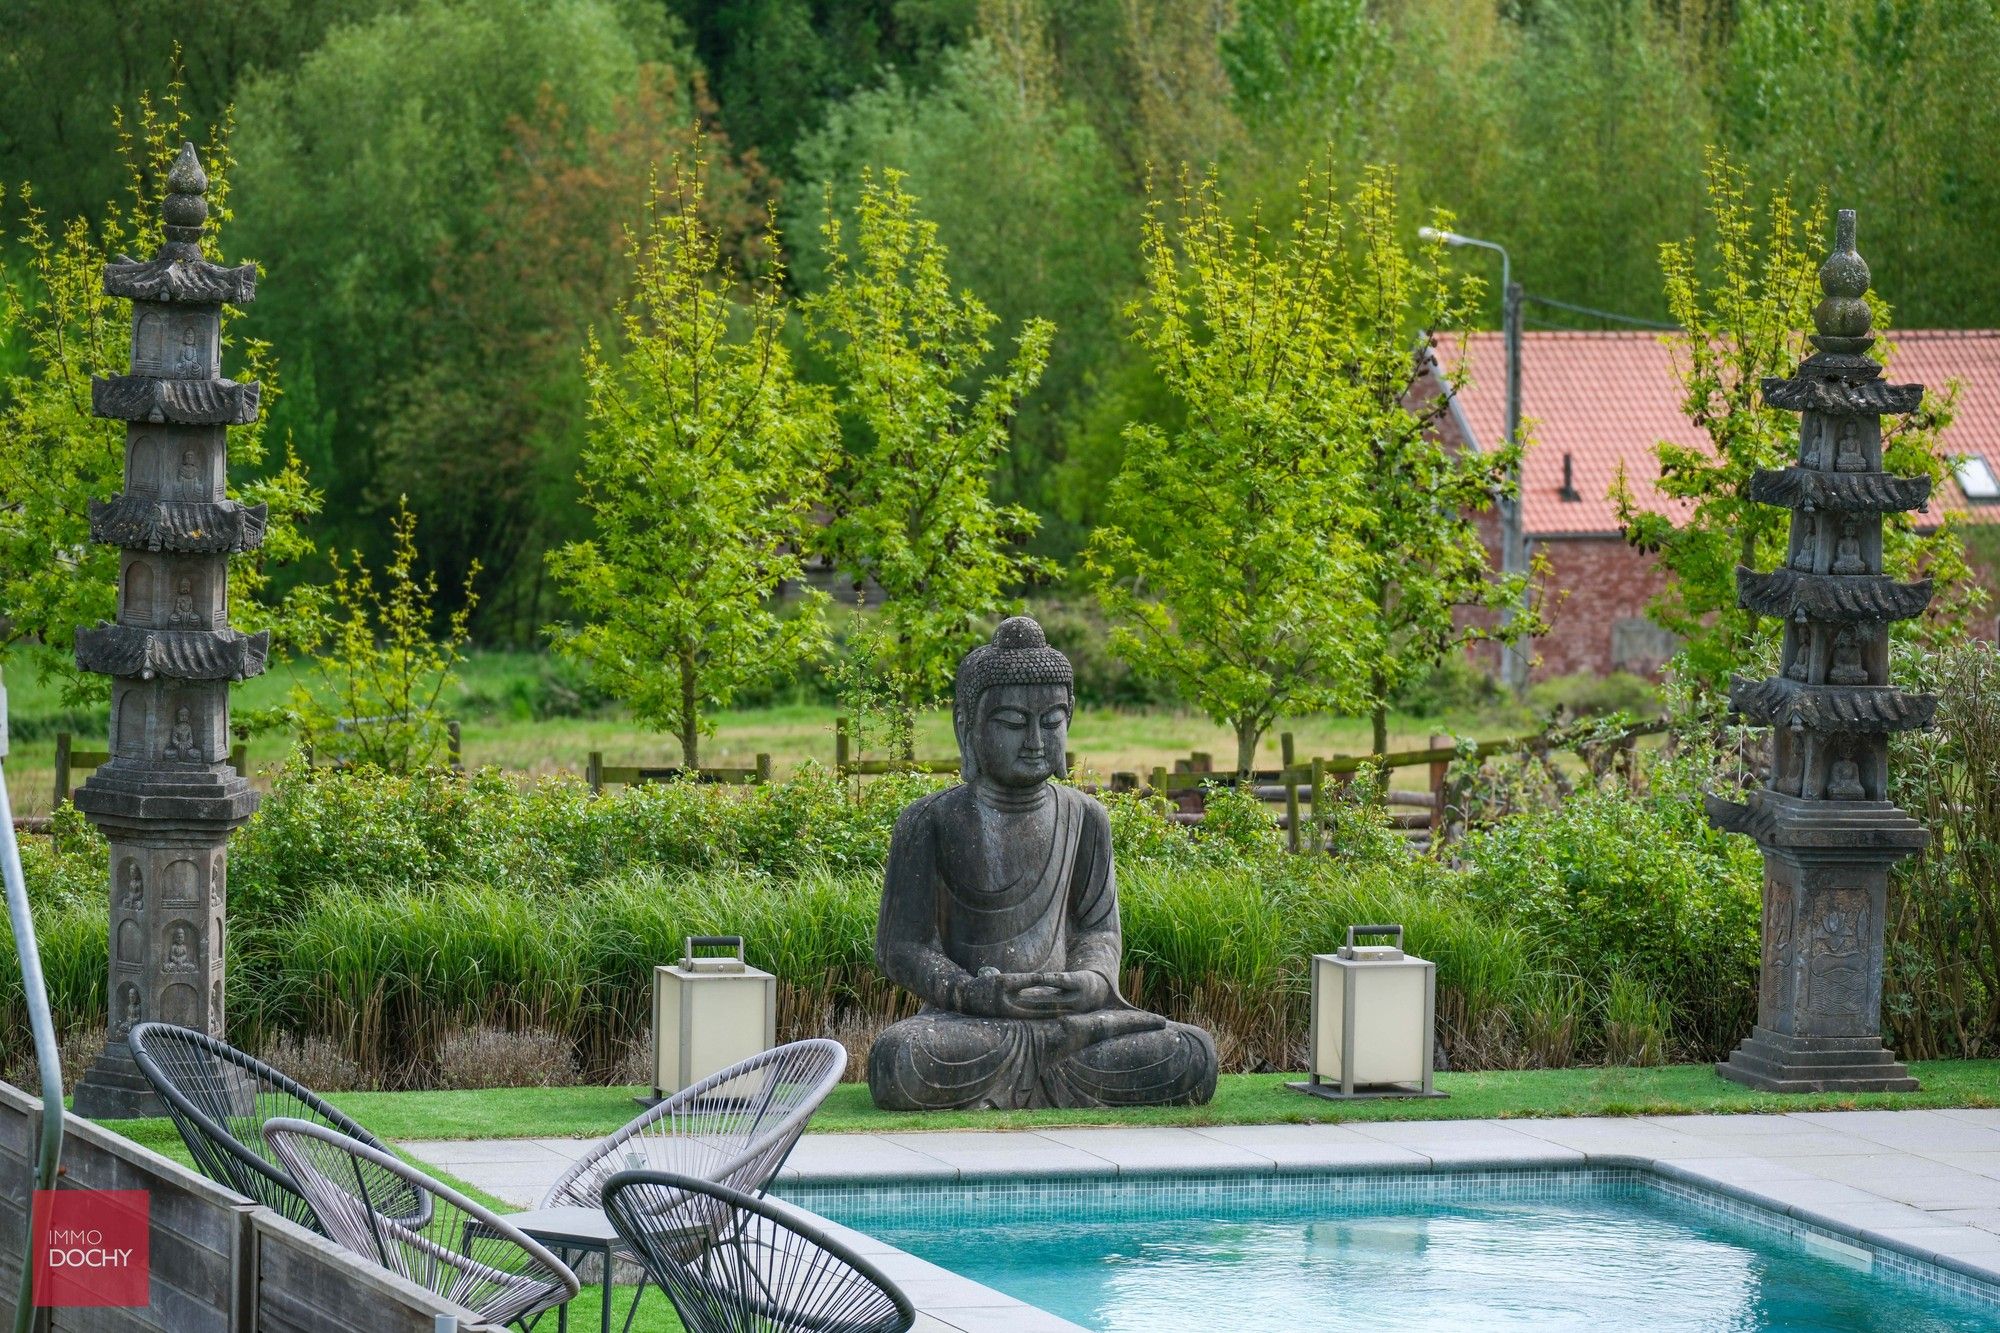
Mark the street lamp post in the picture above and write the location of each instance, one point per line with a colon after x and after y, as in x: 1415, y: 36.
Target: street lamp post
x: 1513, y: 536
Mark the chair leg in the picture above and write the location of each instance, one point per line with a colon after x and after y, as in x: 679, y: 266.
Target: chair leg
x: 604, y: 1310
x: 637, y: 1292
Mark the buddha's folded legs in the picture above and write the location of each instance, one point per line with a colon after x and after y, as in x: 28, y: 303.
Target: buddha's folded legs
x: 1119, y: 1057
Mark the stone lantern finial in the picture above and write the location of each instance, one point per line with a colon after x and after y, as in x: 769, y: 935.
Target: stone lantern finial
x: 1842, y: 320
x: 186, y: 206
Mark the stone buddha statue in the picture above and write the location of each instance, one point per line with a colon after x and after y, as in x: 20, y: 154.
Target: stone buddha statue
x: 1000, y: 912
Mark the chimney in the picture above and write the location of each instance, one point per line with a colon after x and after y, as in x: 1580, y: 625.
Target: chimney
x: 1569, y: 492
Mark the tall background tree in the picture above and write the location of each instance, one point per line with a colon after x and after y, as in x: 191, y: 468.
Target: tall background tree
x: 1425, y: 588
x: 1025, y: 196
x: 705, y: 461
x: 911, y: 508
x: 372, y: 172
x: 1216, y: 560
x: 439, y: 187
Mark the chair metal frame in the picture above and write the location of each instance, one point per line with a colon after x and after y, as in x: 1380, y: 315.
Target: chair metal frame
x: 712, y: 1129
x: 732, y: 1262
x: 749, y: 1167
x: 218, y: 1153
x: 411, y: 1247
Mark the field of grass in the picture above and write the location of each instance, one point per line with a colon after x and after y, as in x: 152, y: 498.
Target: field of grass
x: 498, y: 698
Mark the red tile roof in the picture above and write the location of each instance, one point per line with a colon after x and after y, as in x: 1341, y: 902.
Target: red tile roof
x: 1607, y: 398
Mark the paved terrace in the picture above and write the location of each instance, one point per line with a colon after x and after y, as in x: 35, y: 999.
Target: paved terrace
x: 1925, y: 1183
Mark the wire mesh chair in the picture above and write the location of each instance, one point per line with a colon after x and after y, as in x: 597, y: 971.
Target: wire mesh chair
x: 460, y: 1251
x: 734, y: 1263
x: 220, y: 1098
x: 736, y: 1126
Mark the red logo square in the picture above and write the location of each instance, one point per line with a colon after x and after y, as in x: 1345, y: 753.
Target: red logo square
x: 92, y: 1247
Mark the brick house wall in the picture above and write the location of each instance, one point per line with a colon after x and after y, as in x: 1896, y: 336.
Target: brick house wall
x: 1594, y: 404
x: 1599, y: 588
x: 1594, y: 599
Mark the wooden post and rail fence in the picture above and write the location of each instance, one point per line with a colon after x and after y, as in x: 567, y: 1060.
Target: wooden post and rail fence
x: 1300, y: 785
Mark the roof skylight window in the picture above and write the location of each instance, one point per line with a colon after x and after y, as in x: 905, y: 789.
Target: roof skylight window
x: 1975, y: 478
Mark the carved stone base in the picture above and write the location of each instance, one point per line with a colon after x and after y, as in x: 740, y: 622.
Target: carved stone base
x: 113, y: 1088
x: 1772, y: 1062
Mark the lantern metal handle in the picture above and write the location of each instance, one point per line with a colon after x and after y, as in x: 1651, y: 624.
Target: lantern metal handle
x: 719, y: 942
x: 1352, y: 931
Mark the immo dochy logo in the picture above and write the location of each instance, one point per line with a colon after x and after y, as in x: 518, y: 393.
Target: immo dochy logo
x: 92, y: 1247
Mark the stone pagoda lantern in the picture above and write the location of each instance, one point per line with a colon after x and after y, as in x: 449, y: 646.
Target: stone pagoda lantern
x: 1825, y: 824
x: 168, y: 799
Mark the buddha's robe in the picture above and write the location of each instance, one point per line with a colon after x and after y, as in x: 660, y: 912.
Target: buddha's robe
x: 972, y: 885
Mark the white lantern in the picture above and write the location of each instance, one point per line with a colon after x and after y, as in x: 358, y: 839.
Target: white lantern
x: 708, y: 1013
x: 1374, y: 1010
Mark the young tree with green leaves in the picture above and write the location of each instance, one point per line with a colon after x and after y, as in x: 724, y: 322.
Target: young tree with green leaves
x: 1427, y: 588
x: 1744, y: 302
x: 56, y: 457
x: 1029, y: 202
x: 912, y: 506
x: 705, y: 459
x: 380, y: 666
x: 1215, y: 559
x: 1303, y: 541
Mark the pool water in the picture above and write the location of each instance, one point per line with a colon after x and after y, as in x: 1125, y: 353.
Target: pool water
x: 1547, y: 1250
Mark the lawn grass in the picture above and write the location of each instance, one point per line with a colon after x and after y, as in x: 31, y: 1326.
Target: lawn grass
x: 486, y: 701
x: 1240, y: 1099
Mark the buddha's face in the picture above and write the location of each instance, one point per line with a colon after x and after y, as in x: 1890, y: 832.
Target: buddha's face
x: 1021, y: 734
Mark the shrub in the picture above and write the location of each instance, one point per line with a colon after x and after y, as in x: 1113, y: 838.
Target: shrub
x: 361, y: 829
x: 1588, y: 694
x: 1451, y: 685
x: 1942, y: 988
x: 377, y: 920
x: 1641, y: 888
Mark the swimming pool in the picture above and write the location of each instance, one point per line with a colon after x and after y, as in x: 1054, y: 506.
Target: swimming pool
x: 1550, y: 1249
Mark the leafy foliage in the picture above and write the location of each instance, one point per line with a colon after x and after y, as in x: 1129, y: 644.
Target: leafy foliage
x: 372, y: 169
x: 1741, y: 325
x: 1223, y: 560
x: 483, y: 428
x: 705, y: 460
x: 379, y: 667
x: 56, y: 457
x: 1027, y: 201
x: 1612, y: 886
x: 1303, y: 542
x: 912, y: 507
x: 438, y: 187
x: 1426, y: 589
x: 1943, y: 949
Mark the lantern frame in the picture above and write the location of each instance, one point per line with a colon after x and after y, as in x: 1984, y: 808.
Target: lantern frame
x: 683, y: 1053
x: 1349, y: 964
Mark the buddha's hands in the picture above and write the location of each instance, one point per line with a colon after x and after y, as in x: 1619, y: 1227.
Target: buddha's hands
x: 1053, y: 993
x: 994, y: 994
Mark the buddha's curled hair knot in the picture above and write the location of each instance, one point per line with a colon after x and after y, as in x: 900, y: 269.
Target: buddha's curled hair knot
x: 1018, y: 655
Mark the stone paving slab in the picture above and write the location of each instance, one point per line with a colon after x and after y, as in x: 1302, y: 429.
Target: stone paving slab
x: 1925, y: 1183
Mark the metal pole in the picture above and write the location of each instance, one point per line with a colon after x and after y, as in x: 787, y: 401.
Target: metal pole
x: 1513, y: 534
x: 47, y: 1057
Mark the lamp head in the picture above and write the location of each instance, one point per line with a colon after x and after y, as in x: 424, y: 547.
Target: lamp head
x: 1434, y: 234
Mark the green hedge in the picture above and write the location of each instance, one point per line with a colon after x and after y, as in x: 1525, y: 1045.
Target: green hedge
x: 382, y: 914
